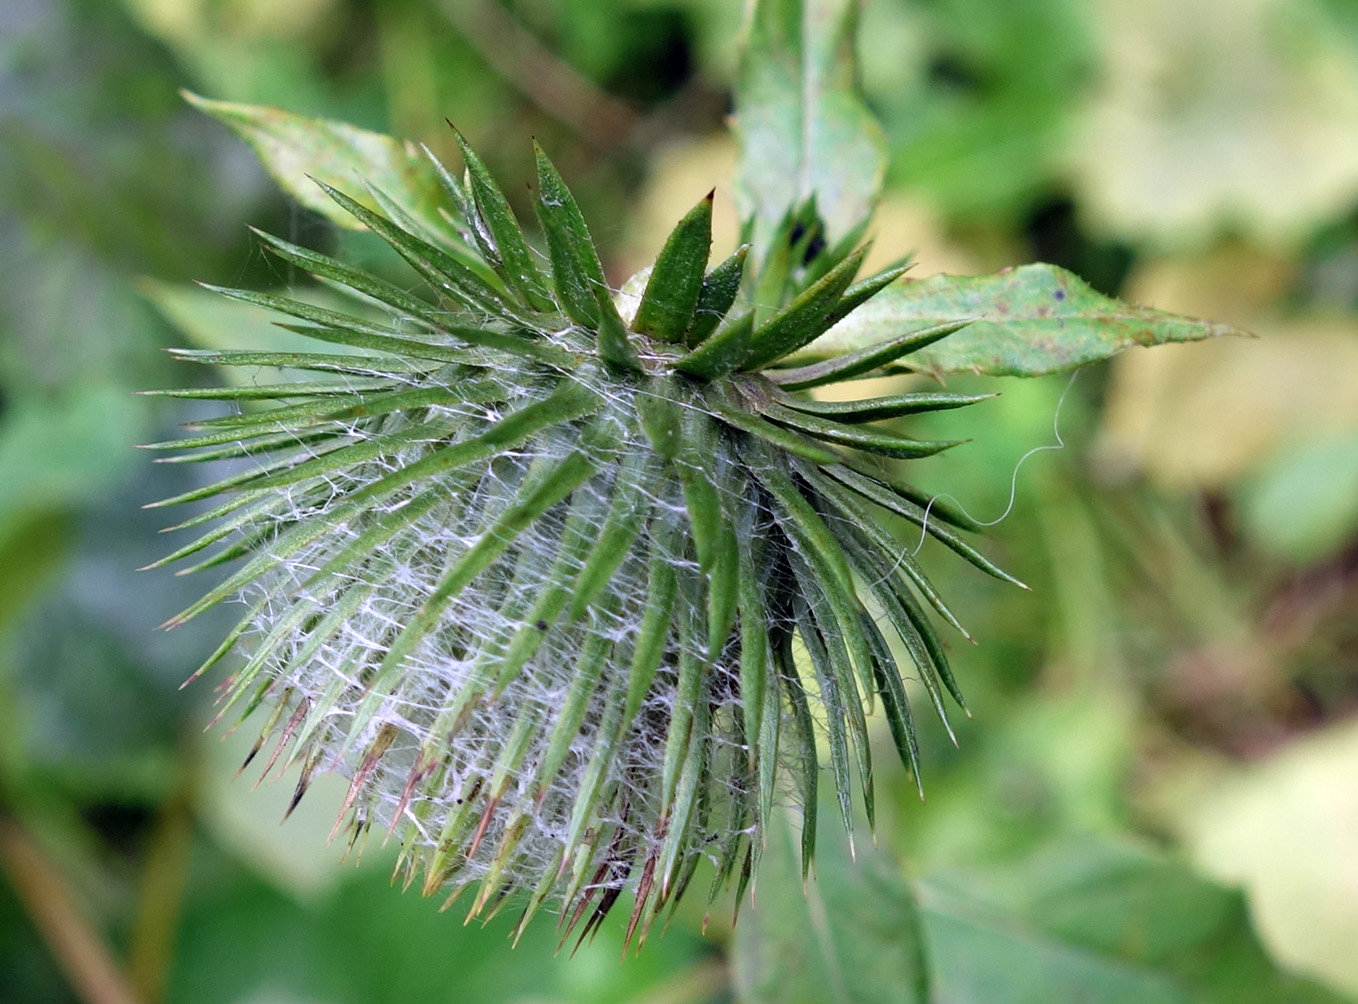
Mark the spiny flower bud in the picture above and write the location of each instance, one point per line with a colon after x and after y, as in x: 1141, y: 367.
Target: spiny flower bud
x: 565, y: 589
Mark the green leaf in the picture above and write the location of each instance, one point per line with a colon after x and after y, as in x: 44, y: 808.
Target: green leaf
x: 1092, y: 920
x: 667, y: 307
x: 853, y: 938
x: 296, y: 149
x: 1026, y: 321
x: 802, y: 125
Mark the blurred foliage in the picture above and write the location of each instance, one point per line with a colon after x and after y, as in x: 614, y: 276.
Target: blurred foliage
x: 1173, y: 702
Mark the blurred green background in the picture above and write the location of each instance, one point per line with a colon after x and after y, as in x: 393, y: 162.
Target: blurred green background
x: 1171, y: 714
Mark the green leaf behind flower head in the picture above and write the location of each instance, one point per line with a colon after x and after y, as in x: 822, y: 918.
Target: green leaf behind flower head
x: 802, y: 125
x: 1026, y: 321
x: 853, y: 934
x: 295, y: 149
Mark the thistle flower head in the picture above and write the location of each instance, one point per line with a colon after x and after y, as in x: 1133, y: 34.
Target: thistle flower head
x: 568, y: 584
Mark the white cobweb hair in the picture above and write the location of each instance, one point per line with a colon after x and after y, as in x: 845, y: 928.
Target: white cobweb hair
x: 492, y: 792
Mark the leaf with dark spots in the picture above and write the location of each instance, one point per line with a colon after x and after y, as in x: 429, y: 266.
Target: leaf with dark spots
x: 1028, y: 321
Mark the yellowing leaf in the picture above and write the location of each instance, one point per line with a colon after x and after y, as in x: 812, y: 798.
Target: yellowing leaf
x: 1287, y: 830
x: 1217, y: 115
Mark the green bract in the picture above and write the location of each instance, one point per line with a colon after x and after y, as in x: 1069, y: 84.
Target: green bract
x: 573, y: 591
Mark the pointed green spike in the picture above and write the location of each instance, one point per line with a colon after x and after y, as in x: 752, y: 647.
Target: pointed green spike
x: 260, y: 439
x: 883, y: 540
x: 754, y: 630
x: 615, y: 346
x: 864, y: 290
x: 300, y: 416
x: 804, y: 319
x: 893, y: 502
x: 671, y: 296
x: 609, y: 734
x: 787, y: 439
x: 273, y: 392
x: 719, y: 291
x: 253, y: 447
x: 436, y: 229
x: 737, y: 825
x: 656, y: 623
x: 770, y: 736
x: 626, y: 516
x: 845, y: 650
x: 368, y: 366
x: 321, y: 316
x: 909, y: 623
x: 895, y: 703
x: 836, y: 706
x: 877, y: 409
x: 660, y: 409
x: 518, y: 264
x: 470, y: 225
x: 576, y: 272
x: 773, y: 284
x: 451, y: 276
x: 411, y: 348
x: 865, y: 360
x: 721, y: 353
x: 804, y: 524
x: 868, y: 440
x: 686, y: 701
x: 939, y: 509
x: 713, y: 537
x: 579, y: 696
x: 365, y: 282
x: 687, y: 793
x: 438, y: 349
x: 803, y: 734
